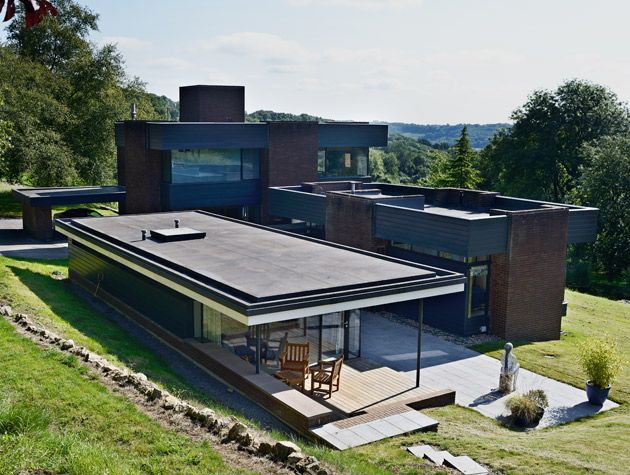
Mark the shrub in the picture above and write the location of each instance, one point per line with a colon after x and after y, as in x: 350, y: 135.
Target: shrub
x: 601, y: 361
x: 528, y: 407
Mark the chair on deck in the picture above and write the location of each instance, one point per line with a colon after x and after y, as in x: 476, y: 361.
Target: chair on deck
x: 327, y: 373
x: 294, y: 358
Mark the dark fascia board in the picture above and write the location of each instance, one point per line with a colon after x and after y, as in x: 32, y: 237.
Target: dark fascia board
x: 352, y: 135
x: 538, y: 203
x: 70, y: 195
x: 198, y: 135
x: 242, y: 302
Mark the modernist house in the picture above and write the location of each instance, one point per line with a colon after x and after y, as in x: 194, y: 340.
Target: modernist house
x: 212, y: 159
x: 512, y: 251
x: 228, y: 293
x: 312, y: 178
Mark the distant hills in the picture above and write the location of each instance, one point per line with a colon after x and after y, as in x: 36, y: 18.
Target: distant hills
x: 479, y: 134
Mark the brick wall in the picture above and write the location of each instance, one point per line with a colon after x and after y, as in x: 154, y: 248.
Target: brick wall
x: 37, y: 221
x: 291, y: 158
x: 478, y: 199
x: 349, y: 221
x: 527, y: 282
x: 212, y: 104
x: 141, y: 171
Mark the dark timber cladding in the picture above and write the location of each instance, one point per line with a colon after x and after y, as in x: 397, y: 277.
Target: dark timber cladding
x: 255, y: 274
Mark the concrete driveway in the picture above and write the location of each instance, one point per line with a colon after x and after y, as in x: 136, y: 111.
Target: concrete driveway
x: 14, y: 242
x: 472, y: 375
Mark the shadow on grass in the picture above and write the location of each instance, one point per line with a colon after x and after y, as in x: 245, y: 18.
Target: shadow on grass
x: 137, y: 348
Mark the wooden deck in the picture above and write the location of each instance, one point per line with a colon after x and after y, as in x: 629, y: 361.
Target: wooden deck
x: 366, y: 387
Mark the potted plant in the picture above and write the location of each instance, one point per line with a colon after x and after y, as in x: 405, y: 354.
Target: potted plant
x: 601, y: 362
x: 528, y: 409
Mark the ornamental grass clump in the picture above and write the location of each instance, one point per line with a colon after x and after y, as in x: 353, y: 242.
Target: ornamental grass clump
x: 601, y: 360
x: 527, y: 409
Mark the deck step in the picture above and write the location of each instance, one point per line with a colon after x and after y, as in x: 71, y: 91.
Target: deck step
x: 375, y: 429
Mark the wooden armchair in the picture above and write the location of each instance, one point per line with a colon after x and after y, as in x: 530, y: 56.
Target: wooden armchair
x: 327, y: 377
x: 295, y: 358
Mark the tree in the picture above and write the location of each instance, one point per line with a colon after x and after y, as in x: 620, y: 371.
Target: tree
x: 605, y: 184
x: 63, y: 95
x: 457, y: 170
x: 437, y: 169
x: 539, y: 156
x: 35, y: 11
x: 55, y: 42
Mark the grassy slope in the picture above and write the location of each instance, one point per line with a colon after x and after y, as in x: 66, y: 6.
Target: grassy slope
x: 54, y: 417
x: 10, y: 208
x: 462, y: 431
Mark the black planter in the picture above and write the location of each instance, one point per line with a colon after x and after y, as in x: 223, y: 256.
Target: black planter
x: 596, y: 395
x: 524, y: 422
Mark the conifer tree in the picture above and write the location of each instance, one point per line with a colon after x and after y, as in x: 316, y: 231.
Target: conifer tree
x: 460, y: 169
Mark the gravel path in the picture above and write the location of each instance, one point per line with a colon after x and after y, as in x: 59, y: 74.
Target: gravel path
x: 191, y: 373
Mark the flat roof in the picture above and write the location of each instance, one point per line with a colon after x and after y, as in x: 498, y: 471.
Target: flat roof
x: 254, y: 269
x: 68, y: 195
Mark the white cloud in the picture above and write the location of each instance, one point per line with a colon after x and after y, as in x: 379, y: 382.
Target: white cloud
x: 128, y: 42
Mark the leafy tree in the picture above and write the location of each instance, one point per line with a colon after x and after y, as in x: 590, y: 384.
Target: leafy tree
x: 437, y: 170
x: 63, y: 95
x: 58, y: 41
x: 605, y: 184
x: 5, y: 132
x: 539, y: 156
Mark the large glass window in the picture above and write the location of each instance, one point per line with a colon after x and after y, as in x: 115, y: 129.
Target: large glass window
x: 347, y: 161
x: 214, y: 165
x: 251, y: 163
x: 478, y: 290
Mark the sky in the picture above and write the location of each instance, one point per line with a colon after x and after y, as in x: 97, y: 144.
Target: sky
x: 422, y: 61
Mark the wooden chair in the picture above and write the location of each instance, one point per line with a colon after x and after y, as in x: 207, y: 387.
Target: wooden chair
x: 295, y: 358
x: 327, y: 377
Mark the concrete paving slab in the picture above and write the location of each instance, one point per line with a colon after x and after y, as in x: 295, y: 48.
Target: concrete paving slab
x: 385, y: 428
x: 419, y: 450
x: 436, y: 456
x: 464, y: 464
x: 402, y: 423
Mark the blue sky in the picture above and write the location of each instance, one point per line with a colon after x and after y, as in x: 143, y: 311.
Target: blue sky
x: 425, y: 61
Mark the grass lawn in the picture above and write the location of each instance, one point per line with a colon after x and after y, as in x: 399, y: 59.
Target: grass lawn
x: 10, y: 208
x: 53, y: 417
x: 594, y: 445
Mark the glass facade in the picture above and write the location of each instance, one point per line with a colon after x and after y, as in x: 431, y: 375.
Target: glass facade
x: 346, y: 161
x: 329, y: 335
x: 214, y: 165
x: 477, y: 290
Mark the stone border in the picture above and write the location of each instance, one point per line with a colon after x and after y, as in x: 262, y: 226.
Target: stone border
x: 229, y: 430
